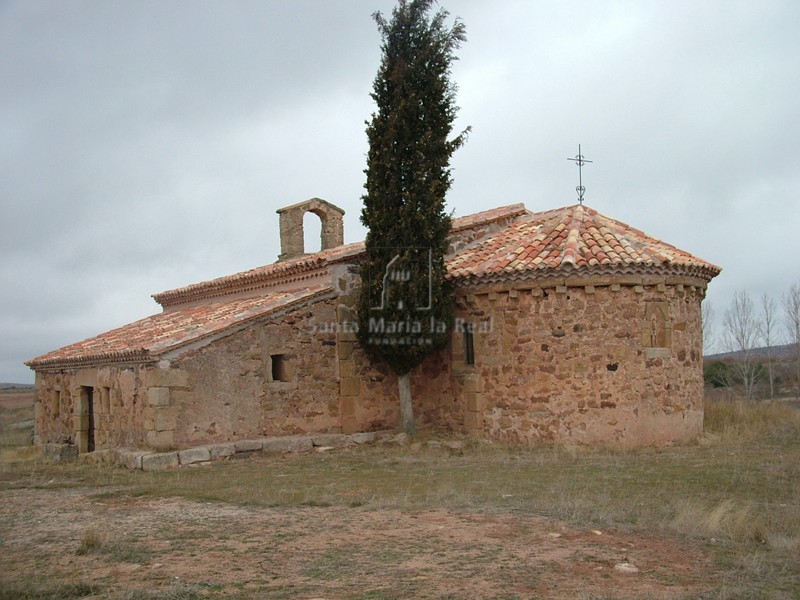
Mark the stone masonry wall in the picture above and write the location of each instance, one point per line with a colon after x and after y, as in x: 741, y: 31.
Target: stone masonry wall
x: 238, y: 390
x: 368, y: 389
x: 291, y: 226
x: 610, y: 364
x: 118, y: 407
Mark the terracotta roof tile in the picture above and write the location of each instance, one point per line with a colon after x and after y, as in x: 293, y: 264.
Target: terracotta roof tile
x: 571, y: 237
x: 534, y: 244
x: 146, y: 339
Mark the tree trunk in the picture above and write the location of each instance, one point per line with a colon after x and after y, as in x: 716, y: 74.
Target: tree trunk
x: 769, y: 372
x: 406, y: 408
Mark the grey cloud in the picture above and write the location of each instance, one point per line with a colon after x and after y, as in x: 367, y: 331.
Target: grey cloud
x: 146, y: 145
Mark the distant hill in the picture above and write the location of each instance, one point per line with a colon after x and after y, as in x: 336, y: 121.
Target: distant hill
x: 15, y: 387
x: 778, y: 352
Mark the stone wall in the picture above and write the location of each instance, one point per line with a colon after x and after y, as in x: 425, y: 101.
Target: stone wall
x: 291, y: 226
x: 610, y: 364
x: 118, y: 407
x: 276, y: 377
x: 606, y: 361
x: 367, y: 389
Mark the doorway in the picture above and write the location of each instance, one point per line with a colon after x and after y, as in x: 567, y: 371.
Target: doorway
x: 88, y: 396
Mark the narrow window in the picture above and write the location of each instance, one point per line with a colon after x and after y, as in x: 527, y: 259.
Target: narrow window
x: 280, y: 372
x: 469, y: 345
x: 87, y: 397
x: 55, y: 402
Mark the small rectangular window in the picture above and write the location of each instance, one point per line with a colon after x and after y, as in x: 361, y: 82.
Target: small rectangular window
x: 469, y: 344
x: 280, y: 371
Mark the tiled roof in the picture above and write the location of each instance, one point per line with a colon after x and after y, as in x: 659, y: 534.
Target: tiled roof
x: 488, y: 216
x: 573, y: 237
x: 292, y: 270
x: 566, y: 241
x: 145, y: 340
x: 305, y: 267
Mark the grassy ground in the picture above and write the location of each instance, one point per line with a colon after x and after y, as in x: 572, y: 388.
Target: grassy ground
x: 735, y: 494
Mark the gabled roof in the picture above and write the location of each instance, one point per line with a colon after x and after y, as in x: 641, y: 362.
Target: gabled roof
x: 573, y: 240
x: 306, y: 267
x: 147, y: 339
x: 568, y: 239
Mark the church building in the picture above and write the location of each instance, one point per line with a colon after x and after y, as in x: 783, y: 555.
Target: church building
x: 572, y: 328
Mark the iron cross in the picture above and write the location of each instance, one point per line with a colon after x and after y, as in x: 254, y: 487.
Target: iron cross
x: 580, y: 161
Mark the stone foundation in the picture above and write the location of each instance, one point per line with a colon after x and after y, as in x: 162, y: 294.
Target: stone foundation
x: 132, y: 458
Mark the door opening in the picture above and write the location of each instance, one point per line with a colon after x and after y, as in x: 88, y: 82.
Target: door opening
x: 89, y: 395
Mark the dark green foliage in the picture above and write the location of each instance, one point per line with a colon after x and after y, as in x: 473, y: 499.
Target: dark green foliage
x: 717, y: 374
x: 408, y: 176
x: 721, y: 374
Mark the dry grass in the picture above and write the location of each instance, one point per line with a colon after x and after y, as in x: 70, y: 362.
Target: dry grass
x: 737, y: 493
x: 748, y: 420
x: 106, y: 543
x: 15, y: 428
x: 26, y: 588
x: 91, y: 541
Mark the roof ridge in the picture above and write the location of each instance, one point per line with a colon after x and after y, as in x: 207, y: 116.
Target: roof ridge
x: 306, y: 266
x: 570, y: 255
x: 148, y: 338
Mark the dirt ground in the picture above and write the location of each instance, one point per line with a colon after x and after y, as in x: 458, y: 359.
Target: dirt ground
x: 122, y: 542
x: 330, y: 552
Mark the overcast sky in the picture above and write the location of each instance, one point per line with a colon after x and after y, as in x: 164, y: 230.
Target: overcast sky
x: 146, y: 145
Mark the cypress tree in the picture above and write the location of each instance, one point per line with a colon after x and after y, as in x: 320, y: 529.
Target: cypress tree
x: 405, y: 308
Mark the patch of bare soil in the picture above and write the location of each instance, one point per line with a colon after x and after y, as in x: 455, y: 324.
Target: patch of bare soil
x: 127, y: 543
